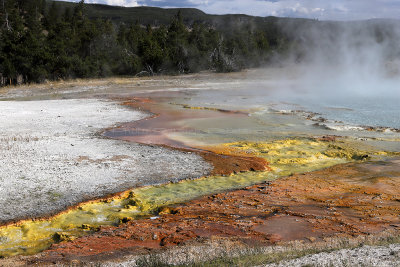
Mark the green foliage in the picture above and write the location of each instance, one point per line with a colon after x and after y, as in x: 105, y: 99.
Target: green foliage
x: 42, y: 40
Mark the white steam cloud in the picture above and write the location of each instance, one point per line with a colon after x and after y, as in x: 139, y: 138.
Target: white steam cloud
x: 349, y: 58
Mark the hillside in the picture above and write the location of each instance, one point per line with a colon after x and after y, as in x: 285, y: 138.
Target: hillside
x: 49, y: 40
x: 142, y: 15
x: 162, y: 16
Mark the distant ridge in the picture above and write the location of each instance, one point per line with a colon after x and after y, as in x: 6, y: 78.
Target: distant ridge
x: 162, y: 16
x: 156, y: 16
x: 48, y: 40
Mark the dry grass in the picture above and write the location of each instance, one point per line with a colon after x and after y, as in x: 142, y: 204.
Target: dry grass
x: 9, y: 143
x: 18, y: 138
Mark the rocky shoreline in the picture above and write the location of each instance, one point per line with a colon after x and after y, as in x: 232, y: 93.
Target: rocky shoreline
x: 320, y: 121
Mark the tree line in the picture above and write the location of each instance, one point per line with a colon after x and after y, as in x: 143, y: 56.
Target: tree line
x: 40, y: 41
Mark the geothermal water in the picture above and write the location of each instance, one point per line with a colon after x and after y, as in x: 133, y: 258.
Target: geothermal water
x: 281, y: 106
x: 377, y: 110
x: 267, y: 129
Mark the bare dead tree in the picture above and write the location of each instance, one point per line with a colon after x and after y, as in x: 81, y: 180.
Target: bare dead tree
x: 6, y: 22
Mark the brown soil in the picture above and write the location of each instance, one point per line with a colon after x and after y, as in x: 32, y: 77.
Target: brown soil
x: 345, y: 200
x: 228, y: 164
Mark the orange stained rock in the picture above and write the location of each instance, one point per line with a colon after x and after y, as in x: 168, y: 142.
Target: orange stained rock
x: 347, y: 200
x: 226, y: 164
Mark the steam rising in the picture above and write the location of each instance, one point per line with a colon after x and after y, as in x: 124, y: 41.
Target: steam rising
x: 347, y: 59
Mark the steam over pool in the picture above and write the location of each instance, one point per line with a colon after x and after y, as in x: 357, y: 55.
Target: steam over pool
x: 349, y: 73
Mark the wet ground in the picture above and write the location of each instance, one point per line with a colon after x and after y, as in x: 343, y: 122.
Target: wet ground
x: 344, y: 200
x: 337, y: 183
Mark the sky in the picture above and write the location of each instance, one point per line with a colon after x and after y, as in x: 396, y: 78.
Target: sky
x: 316, y: 9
